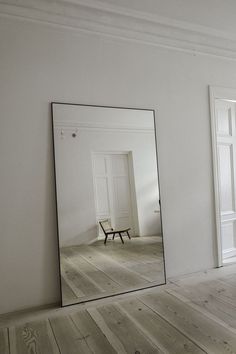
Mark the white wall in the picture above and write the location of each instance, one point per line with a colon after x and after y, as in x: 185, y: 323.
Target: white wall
x: 39, y: 65
x: 102, y: 129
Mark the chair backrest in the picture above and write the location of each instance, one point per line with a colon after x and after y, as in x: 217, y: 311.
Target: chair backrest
x: 105, y: 225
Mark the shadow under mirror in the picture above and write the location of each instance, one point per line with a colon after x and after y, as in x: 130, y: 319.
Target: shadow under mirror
x: 109, y: 220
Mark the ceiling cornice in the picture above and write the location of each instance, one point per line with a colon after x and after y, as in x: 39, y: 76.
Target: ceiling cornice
x: 96, y: 17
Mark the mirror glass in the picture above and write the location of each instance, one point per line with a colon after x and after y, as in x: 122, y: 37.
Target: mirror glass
x: 108, y: 203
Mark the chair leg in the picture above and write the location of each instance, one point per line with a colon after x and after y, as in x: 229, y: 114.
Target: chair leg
x: 113, y: 236
x: 121, y: 238
x: 128, y: 235
x: 105, y: 241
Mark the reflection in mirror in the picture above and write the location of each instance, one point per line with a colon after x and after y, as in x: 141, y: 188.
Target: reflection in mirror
x: 109, y: 222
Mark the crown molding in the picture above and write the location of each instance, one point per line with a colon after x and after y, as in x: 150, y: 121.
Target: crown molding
x: 94, y: 16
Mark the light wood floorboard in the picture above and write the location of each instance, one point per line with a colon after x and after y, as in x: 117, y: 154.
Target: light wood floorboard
x: 93, y: 335
x: 4, y: 344
x: 194, y: 314
x: 111, y: 320
x: 159, y: 331
x: 35, y: 337
x: 210, y: 300
x: 209, y: 335
x: 68, y: 337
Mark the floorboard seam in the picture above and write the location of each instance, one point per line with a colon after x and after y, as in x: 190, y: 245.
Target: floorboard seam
x: 200, y: 346
x: 198, y: 308
x: 8, y: 338
x: 139, y: 327
x: 54, y: 336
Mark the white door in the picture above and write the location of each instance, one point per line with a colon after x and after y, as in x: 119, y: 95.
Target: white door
x: 226, y: 147
x: 112, y: 189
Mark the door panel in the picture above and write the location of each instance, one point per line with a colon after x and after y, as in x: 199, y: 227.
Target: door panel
x: 122, y: 202
x: 224, y: 119
x: 100, y: 165
x: 119, y: 165
x: 118, y: 207
x: 226, y: 178
x: 226, y: 146
x: 228, y: 232
x: 102, y: 196
x: 101, y: 187
x: 121, y: 194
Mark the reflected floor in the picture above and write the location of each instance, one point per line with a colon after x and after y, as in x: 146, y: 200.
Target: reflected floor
x: 98, y: 270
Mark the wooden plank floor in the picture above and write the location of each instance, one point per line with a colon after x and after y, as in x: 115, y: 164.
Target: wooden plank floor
x: 97, y: 270
x: 194, y: 314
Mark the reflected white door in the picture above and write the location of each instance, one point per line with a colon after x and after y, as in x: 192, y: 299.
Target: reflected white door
x: 112, y: 189
x: 226, y: 146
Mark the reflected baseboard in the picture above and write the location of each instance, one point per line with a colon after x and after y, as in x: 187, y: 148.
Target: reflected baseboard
x: 159, y: 238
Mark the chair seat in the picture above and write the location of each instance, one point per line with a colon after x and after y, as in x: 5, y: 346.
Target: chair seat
x: 108, y: 230
x: 117, y: 231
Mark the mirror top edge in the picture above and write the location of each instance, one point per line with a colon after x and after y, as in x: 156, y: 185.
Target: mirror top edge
x: 57, y: 103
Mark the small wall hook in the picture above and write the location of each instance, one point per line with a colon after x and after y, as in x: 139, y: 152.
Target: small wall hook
x: 74, y: 135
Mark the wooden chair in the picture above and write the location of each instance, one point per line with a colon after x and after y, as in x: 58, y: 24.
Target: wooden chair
x: 108, y: 230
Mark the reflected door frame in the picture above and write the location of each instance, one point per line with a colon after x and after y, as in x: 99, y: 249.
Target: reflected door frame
x: 132, y: 191
x: 227, y: 218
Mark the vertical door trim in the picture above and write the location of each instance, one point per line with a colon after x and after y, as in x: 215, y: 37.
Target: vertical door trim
x: 229, y: 94
x: 133, y: 192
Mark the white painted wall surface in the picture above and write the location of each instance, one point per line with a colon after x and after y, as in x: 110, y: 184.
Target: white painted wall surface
x: 42, y: 64
x: 112, y: 132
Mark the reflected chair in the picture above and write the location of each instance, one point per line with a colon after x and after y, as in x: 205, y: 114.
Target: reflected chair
x: 108, y: 230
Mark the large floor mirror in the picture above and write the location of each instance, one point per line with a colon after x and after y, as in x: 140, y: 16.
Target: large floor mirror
x: 108, y: 202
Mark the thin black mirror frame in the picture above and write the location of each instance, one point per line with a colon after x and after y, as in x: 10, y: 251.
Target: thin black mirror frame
x: 98, y: 297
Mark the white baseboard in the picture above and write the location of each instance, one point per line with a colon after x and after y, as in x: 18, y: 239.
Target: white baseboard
x: 95, y: 239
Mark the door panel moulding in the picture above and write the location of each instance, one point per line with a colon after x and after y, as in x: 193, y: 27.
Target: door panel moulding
x: 133, y: 216
x: 224, y: 94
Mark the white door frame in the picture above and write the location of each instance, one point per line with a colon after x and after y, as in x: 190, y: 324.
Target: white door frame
x: 131, y: 180
x: 228, y: 94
